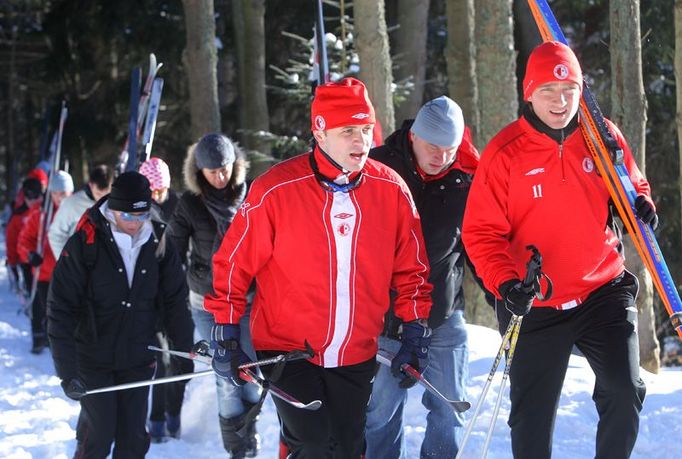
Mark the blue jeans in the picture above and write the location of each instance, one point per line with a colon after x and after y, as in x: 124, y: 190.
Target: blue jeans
x: 448, y: 370
x: 230, y: 398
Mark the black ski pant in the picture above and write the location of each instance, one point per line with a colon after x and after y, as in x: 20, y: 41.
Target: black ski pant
x: 38, y: 314
x: 113, y: 417
x: 167, y: 398
x: 337, y: 429
x: 604, y: 329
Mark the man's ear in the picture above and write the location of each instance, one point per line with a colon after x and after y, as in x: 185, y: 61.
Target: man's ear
x: 319, y: 136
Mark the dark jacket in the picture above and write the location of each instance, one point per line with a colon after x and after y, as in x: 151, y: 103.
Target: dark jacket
x: 166, y: 209
x: 95, y: 320
x: 440, y: 203
x: 192, y: 228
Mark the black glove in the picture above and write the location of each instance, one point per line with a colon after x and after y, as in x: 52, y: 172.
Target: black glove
x: 414, y: 350
x: 645, y: 211
x: 227, y: 353
x: 517, y: 298
x: 34, y: 259
x: 74, y: 388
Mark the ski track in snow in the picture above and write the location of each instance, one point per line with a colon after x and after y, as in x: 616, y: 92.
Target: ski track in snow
x: 38, y: 421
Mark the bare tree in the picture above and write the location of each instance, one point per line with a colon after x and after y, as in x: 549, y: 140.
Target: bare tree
x: 248, y: 22
x: 460, y: 57
x: 200, y: 59
x: 410, y: 53
x: 629, y: 105
x: 495, y: 67
x: 375, y: 60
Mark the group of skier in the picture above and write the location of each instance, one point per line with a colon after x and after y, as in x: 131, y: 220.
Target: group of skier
x: 338, y: 252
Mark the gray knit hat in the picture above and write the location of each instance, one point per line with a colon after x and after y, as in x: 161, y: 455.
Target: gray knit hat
x: 214, y: 151
x: 440, y: 122
x: 61, y: 182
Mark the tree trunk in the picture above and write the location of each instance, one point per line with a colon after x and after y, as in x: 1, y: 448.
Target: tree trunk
x: 200, y: 60
x: 629, y: 105
x: 495, y: 67
x: 12, y: 154
x: 678, y: 80
x: 410, y: 43
x: 248, y: 22
x: 460, y: 57
x: 371, y: 40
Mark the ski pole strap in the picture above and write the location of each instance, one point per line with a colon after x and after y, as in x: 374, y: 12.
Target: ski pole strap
x: 534, y: 273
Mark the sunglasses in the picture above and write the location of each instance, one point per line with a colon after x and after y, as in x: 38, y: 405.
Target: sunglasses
x: 137, y: 217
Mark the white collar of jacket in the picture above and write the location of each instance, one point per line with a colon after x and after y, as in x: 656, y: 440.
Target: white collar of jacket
x: 128, y: 246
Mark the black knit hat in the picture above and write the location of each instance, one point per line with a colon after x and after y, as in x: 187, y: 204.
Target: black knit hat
x: 130, y: 192
x: 214, y: 151
x: 32, y: 188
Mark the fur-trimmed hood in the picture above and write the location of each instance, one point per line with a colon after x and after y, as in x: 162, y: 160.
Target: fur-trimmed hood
x: 190, y: 171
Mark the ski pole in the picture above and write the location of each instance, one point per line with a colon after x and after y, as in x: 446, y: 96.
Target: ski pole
x: 459, y: 406
x: 151, y: 382
x: 486, y: 387
x: 510, y: 356
x: 249, y: 376
x: 531, y: 282
x: 201, y: 355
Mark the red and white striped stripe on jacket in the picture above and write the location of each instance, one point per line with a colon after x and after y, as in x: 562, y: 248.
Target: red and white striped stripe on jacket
x: 324, y: 262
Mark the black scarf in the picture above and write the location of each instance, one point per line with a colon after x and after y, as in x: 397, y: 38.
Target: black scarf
x: 221, y: 205
x: 559, y: 135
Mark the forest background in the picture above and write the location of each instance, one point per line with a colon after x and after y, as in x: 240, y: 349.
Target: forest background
x: 243, y: 67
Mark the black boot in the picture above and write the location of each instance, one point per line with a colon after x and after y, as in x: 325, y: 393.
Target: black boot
x: 234, y: 443
x: 39, y: 343
x: 252, y: 437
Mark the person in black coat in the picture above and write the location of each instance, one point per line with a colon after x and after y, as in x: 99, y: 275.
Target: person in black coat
x: 435, y: 156
x: 116, y: 278
x: 166, y: 406
x: 215, y: 172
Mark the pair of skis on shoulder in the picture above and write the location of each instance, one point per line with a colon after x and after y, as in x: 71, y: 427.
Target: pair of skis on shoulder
x: 47, y: 207
x: 144, y: 108
x: 608, y: 157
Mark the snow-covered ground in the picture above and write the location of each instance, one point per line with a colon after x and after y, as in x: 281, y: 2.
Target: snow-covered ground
x: 38, y: 421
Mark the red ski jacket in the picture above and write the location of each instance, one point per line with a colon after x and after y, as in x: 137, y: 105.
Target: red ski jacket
x: 530, y: 189
x: 324, y: 262
x: 28, y: 242
x: 14, y: 226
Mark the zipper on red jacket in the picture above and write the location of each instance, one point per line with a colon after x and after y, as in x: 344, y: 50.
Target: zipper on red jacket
x: 561, y: 156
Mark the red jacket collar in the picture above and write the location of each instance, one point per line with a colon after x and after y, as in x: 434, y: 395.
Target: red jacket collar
x: 329, y: 170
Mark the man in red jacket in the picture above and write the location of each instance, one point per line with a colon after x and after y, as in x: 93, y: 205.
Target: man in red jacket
x: 31, y: 195
x: 61, y: 186
x: 537, y: 184
x: 326, y: 235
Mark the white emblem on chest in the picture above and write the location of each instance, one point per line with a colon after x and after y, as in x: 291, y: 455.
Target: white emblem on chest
x: 588, y: 164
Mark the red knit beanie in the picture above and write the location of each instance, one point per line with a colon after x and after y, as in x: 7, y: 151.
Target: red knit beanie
x: 551, y: 61
x: 39, y: 175
x: 343, y: 103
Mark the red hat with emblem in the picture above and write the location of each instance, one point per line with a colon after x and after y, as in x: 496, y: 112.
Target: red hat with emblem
x: 551, y: 62
x: 343, y: 103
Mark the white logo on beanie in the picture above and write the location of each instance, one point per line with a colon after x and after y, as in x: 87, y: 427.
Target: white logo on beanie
x: 360, y: 116
x: 320, y: 123
x: 561, y: 71
x: 140, y: 205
